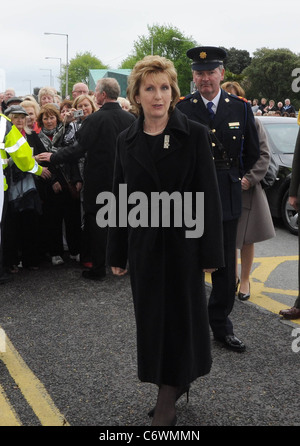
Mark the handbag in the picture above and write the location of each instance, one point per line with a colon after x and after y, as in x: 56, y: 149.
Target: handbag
x: 22, y: 194
x: 271, y: 174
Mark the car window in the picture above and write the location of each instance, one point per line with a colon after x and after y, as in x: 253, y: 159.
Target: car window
x: 282, y: 136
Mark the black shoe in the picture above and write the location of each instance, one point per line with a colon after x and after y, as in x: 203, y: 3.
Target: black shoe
x: 90, y: 274
x: 232, y: 343
x: 182, y: 391
x: 244, y: 296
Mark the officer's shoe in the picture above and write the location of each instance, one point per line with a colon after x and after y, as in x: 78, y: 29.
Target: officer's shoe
x: 231, y: 342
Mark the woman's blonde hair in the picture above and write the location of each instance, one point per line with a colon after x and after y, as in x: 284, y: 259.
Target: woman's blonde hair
x: 151, y: 65
x: 81, y: 98
x: 33, y: 104
x: 46, y: 91
x: 234, y: 88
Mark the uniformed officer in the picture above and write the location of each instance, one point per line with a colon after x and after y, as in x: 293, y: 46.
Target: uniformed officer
x: 235, y: 149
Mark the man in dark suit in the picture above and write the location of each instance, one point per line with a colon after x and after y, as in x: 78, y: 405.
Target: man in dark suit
x: 235, y: 149
x: 97, y: 139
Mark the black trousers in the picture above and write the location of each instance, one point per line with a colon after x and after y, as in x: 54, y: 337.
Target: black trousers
x: 222, y: 297
x: 98, y: 240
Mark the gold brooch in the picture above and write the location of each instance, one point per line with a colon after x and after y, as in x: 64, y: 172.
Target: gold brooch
x: 203, y: 55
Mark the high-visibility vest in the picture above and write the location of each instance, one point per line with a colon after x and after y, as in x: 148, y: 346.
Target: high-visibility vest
x: 13, y: 143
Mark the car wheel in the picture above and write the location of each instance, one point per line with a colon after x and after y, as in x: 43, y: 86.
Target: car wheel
x: 289, y: 215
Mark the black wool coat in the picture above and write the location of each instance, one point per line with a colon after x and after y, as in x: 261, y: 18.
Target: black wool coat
x: 166, y: 273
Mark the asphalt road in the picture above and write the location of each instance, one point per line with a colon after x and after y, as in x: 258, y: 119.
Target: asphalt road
x: 73, y: 340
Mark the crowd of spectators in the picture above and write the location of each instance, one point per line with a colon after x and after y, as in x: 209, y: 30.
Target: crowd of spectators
x: 270, y: 108
x: 50, y: 212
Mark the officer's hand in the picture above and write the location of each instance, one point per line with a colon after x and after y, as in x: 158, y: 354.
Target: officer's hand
x: 46, y: 174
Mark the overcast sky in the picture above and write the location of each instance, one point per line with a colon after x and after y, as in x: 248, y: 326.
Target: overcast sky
x: 108, y: 30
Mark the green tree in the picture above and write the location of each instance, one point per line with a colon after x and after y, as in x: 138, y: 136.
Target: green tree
x: 79, y: 68
x: 270, y: 75
x: 237, y: 60
x: 169, y: 42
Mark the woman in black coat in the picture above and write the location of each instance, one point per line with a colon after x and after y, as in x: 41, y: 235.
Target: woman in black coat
x: 165, y: 152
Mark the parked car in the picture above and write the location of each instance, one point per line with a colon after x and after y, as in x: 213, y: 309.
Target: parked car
x: 282, y: 134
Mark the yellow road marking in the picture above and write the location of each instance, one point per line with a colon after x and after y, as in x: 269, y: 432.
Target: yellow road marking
x: 8, y: 417
x: 258, y: 277
x: 32, y: 389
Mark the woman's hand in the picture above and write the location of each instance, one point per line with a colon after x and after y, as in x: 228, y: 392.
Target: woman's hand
x: 118, y: 271
x: 245, y: 184
x: 293, y: 202
x: 78, y: 186
x: 210, y: 270
x: 56, y: 187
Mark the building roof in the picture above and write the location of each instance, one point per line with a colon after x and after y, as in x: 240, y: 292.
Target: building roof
x: 120, y: 75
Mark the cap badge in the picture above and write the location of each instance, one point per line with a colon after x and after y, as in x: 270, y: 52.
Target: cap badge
x: 203, y: 55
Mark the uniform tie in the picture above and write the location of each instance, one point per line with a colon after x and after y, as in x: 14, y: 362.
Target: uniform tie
x: 210, y: 110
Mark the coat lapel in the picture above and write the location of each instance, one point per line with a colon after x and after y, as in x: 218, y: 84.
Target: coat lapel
x: 137, y: 145
x: 223, y: 108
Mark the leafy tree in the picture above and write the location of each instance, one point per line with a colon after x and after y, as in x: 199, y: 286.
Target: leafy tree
x: 237, y: 60
x: 270, y: 75
x: 79, y: 68
x: 169, y: 42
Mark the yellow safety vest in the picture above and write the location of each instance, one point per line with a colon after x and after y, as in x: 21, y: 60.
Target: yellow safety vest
x: 13, y: 143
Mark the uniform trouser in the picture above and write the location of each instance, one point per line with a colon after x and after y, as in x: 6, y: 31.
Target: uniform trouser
x: 98, y: 239
x: 222, y: 296
x: 297, y: 302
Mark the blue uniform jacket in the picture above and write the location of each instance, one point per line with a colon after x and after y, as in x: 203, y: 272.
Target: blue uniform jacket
x: 235, y: 144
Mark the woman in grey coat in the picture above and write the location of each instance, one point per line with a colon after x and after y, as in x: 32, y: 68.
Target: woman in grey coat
x: 255, y: 223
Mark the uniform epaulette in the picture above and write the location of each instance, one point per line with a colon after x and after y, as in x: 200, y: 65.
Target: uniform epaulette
x: 186, y: 98
x: 238, y: 97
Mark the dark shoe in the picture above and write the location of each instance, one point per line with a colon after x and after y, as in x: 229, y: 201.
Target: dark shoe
x: 182, y: 391
x: 232, y: 343
x: 4, y: 278
x: 244, y: 296
x: 290, y: 313
x: 90, y: 274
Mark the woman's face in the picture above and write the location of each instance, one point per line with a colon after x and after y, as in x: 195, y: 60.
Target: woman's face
x: 64, y: 111
x: 45, y: 99
x: 49, y: 121
x: 155, y: 96
x: 19, y: 121
x: 31, y: 118
x: 86, y: 107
